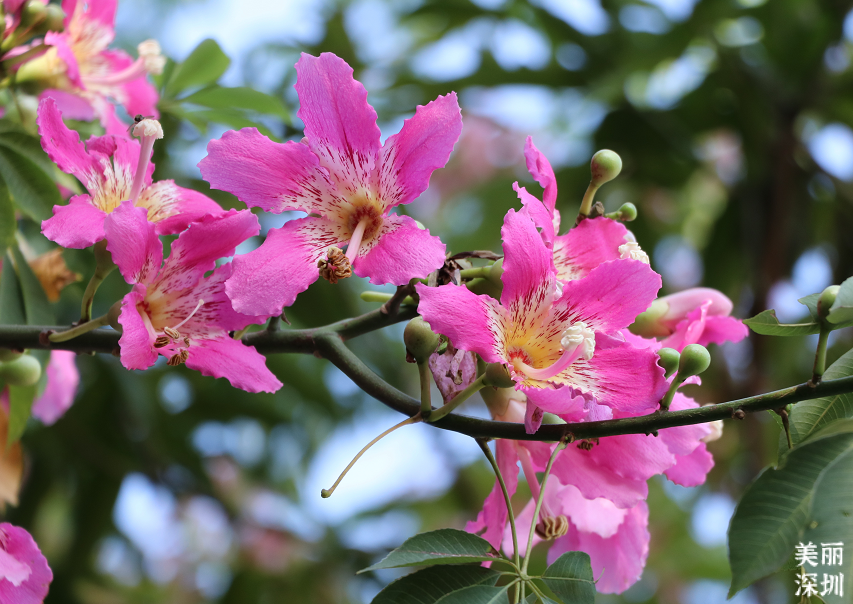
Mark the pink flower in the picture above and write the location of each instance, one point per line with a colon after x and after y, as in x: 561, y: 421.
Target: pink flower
x: 176, y: 311
x: 555, y: 343
x: 343, y: 179
x: 584, y: 247
x: 453, y: 371
x: 62, y: 381
x: 83, y: 74
x: 113, y: 170
x: 24, y: 574
x: 694, y: 316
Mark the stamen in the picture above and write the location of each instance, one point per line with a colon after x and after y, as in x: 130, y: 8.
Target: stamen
x: 355, y: 240
x: 161, y: 341
x: 148, y: 130
x: 150, y: 61
x: 335, y: 266
x: 179, y: 358
x: 552, y: 527
x: 172, y: 333
x: 631, y: 250
x: 195, y: 310
x: 577, y: 341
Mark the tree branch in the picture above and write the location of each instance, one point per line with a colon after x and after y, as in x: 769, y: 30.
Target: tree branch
x: 328, y: 342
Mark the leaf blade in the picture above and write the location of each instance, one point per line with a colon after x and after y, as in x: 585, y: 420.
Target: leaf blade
x: 428, y: 585
x: 444, y: 546
x: 766, y: 323
x: 570, y: 578
x: 205, y: 65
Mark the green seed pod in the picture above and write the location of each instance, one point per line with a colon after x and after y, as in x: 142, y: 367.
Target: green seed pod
x: 694, y: 360
x: 7, y: 355
x: 497, y: 375
x: 23, y: 371
x: 669, y: 360
x: 605, y: 165
x: 826, y: 300
x: 421, y: 341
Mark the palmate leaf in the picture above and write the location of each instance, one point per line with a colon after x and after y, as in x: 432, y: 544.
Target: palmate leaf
x: 767, y: 324
x: 218, y: 97
x: 444, y: 546
x: 430, y: 585
x: 570, y: 578
x: 204, y: 66
x: 772, y: 514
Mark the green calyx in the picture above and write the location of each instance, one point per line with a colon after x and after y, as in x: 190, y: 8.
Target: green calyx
x: 669, y: 359
x: 605, y: 165
x: 23, y: 371
x: 648, y: 324
x: 421, y: 341
x: 826, y: 300
x: 695, y: 359
x: 498, y: 376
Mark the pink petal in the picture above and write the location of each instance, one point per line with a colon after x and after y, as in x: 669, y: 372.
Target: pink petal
x: 542, y: 172
x: 538, y: 213
x: 133, y: 243
x: 77, y: 225
x: 72, y: 106
x: 691, y: 470
x: 682, y: 303
x: 269, y: 278
x: 472, y: 322
x: 138, y: 96
x: 408, y: 158
x: 532, y: 417
x: 528, y: 275
x: 494, y: 516
x: 591, y: 243
x: 559, y: 401
x: 633, y: 456
x: 576, y: 467
x: 618, y: 560
x: 609, y: 298
x: 125, y: 161
x: 63, y: 145
x: 103, y: 12
x: 398, y: 252
x: 241, y: 365
x: 20, y: 546
x: 62, y: 43
x: 199, y: 247
x: 173, y: 208
x: 62, y: 381
x: 107, y: 117
x: 599, y: 516
x: 340, y: 126
x: 137, y: 336
x: 272, y: 176
x: 719, y: 330
x: 12, y: 570
x: 683, y: 440
x: 453, y: 371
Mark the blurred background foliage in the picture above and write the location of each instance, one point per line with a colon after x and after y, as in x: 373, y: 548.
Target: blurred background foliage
x: 733, y: 119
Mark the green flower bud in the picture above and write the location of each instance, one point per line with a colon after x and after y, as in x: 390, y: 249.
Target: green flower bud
x: 826, y: 300
x: 421, y: 341
x: 648, y: 324
x: 113, y: 315
x: 484, y: 286
x: 626, y: 213
x: 23, y: 371
x: 495, y: 272
x: 498, y: 376
x: 694, y: 360
x: 605, y: 166
x: 7, y: 355
x: 669, y: 360
x: 55, y: 18
x: 32, y: 13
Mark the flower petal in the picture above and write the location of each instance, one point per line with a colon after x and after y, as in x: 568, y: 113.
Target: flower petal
x: 241, y: 365
x: 589, y: 244
x: 558, y: 401
x: 272, y: 176
x: 133, y: 243
x: 472, y: 322
x: 683, y: 440
x: 398, y: 252
x: 538, y: 213
x: 20, y: 546
x: 77, y: 225
x: 63, y: 145
x: 494, y: 515
x: 340, y: 126
x: 269, y: 278
x: 576, y: 467
x: 422, y: 146
x: 216, y: 316
x: 542, y: 172
x: 691, y: 470
x: 62, y: 381
x: 137, y: 337
x: 62, y: 43
x: 634, y: 456
x: 72, y: 106
x: 453, y: 371
x: 173, y: 208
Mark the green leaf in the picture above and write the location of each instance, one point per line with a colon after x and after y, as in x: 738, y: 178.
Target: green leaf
x: 570, y: 578
x: 34, y: 192
x: 771, y: 516
x: 533, y: 599
x: 429, y: 585
x: 20, y: 404
x: 36, y: 305
x: 217, y: 97
x: 767, y: 324
x: 811, y: 303
x: 841, y: 310
x: 444, y: 546
x: 477, y: 594
x: 11, y: 300
x: 808, y: 417
x: 8, y: 225
x: 831, y: 521
x: 204, y: 66
x: 30, y: 147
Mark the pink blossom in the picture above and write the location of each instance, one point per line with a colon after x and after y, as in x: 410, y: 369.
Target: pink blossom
x: 113, y: 170
x: 24, y: 574
x: 453, y: 371
x: 62, y: 381
x: 173, y: 309
x: 555, y: 343
x: 83, y: 74
x: 341, y: 177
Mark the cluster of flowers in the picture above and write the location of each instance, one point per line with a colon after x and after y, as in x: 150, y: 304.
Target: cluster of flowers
x: 560, y: 325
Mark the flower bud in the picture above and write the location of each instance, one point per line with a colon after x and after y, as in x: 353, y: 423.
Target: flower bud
x: 648, y: 324
x: 694, y: 360
x: 627, y: 212
x: 23, y: 371
x: 497, y: 375
x: 482, y: 286
x: 113, y: 315
x: 605, y: 166
x: 495, y: 272
x: 55, y: 18
x: 826, y: 300
x: 33, y: 13
x: 7, y: 355
x: 421, y: 341
x: 669, y: 360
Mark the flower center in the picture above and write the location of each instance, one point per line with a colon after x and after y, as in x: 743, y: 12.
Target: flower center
x: 171, y: 339
x: 577, y: 341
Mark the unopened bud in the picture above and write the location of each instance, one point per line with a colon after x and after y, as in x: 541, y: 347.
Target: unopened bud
x: 421, y: 341
x: 482, y: 286
x: 648, y: 324
x: 23, y: 371
x: 497, y: 375
x: 55, y: 20
x: 495, y: 272
x: 33, y: 13
x: 605, y: 166
x: 694, y: 360
x: 669, y: 360
x: 626, y: 213
x: 826, y: 300
x: 7, y: 355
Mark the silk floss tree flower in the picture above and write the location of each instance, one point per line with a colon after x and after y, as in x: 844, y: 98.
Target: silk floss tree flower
x: 175, y: 310
x: 113, y: 170
x: 25, y: 576
x: 82, y: 74
x: 343, y: 179
x: 553, y: 339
